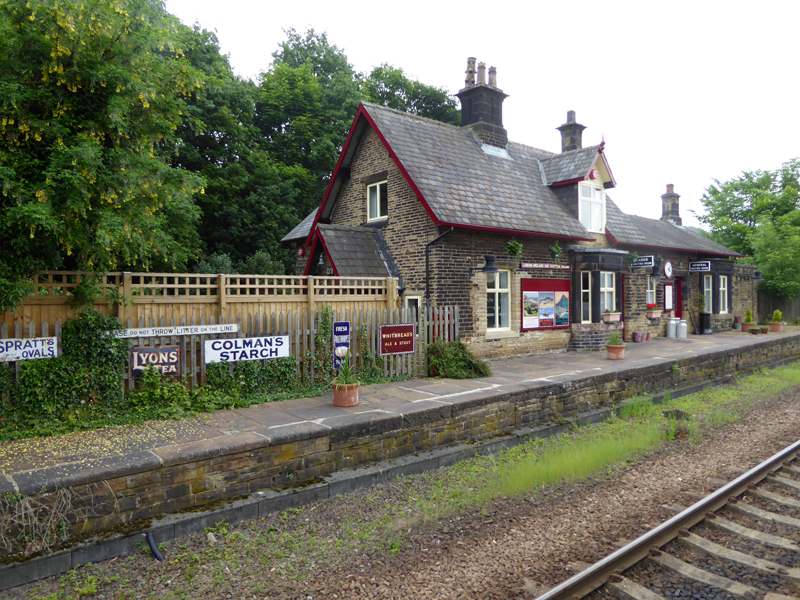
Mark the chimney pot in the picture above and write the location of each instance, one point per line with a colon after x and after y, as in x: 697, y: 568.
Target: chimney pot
x: 571, y: 133
x: 482, y: 73
x: 492, y: 77
x: 470, y: 80
x: 670, y: 206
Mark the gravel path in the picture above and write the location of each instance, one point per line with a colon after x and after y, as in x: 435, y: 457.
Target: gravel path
x: 509, y: 549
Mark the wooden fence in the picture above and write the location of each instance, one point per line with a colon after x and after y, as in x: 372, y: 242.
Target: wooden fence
x: 767, y: 304
x: 436, y: 323
x: 183, y: 296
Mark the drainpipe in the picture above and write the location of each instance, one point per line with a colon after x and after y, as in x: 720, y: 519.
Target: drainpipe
x: 427, y: 267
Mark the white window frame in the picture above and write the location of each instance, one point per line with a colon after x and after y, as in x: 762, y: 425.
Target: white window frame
x: 605, y: 290
x: 598, y: 198
x: 377, y: 187
x: 499, y: 293
x: 651, y: 290
x: 708, y: 293
x: 723, y: 294
x: 407, y: 301
x: 586, y: 278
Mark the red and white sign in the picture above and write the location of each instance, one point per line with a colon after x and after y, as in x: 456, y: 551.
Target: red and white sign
x: 594, y: 174
x: 301, y: 251
x: 398, y: 339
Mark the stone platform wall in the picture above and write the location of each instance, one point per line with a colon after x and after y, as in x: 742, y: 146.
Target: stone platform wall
x: 202, y: 475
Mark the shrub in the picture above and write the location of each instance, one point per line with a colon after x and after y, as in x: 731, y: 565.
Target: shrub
x: 777, y: 316
x: 454, y: 360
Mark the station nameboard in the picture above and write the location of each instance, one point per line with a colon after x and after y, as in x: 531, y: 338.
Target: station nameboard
x: 531, y: 265
x: 700, y: 266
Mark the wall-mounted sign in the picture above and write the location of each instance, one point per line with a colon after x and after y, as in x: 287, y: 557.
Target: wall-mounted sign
x: 594, y: 174
x: 236, y: 349
x: 700, y: 266
x: 301, y: 251
x: 169, y: 331
x: 398, y: 339
x: 643, y: 261
x: 341, y: 342
x: 164, y: 359
x: 28, y: 349
x: 529, y: 265
x: 545, y: 303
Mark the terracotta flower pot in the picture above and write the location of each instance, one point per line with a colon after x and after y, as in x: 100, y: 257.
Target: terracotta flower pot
x: 765, y: 330
x: 776, y: 327
x: 345, y: 395
x: 615, y: 352
x: 747, y: 327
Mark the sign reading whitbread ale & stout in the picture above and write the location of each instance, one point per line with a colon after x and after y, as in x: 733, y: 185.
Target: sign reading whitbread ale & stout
x: 398, y: 339
x: 28, y: 349
x: 237, y: 349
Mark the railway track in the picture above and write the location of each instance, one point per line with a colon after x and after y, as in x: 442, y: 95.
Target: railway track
x: 744, y: 542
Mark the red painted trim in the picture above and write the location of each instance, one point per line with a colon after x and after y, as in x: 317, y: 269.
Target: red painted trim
x: 335, y: 173
x: 328, y: 254
x: 311, y: 246
x: 400, y: 166
x: 516, y: 232
x: 569, y: 181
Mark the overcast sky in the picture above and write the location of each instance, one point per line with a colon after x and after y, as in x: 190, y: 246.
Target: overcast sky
x: 682, y: 92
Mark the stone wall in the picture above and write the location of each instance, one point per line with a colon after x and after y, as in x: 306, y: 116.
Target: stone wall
x: 591, y: 337
x: 152, y: 483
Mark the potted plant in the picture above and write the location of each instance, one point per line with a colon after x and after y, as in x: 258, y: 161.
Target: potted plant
x: 615, y: 347
x: 611, y: 316
x: 345, y: 385
x: 555, y: 250
x: 748, y: 320
x: 777, y: 321
x: 514, y: 249
x: 765, y: 329
x: 653, y: 311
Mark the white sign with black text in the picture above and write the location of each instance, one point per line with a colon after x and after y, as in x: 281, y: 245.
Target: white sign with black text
x: 168, y: 331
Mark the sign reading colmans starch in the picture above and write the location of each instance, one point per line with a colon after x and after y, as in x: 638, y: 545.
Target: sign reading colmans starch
x: 28, y: 349
x: 236, y: 349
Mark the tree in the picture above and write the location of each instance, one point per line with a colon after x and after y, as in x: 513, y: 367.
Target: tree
x: 389, y: 86
x: 734, y: 208
x: 758, y: 215
x: 91, y: 95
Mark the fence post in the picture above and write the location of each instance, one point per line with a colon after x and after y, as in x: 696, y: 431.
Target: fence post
x: 311, y: 299
x: 221, y: 295
x: 127, y: 297
x: 391, y: 293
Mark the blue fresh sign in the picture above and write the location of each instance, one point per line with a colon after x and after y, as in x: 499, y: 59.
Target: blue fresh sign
x: 341, y: 342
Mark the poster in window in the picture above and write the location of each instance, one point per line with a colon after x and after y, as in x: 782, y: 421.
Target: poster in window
x: 530, y: 310
x: 562, y: 309
x: 545, y: 303
x: 547, y: 314
x: 668, y: 297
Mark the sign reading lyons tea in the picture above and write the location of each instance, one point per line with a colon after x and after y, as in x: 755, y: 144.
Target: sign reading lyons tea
x: 27, y: 349
x: 164, y: 359
x: 236, y: 349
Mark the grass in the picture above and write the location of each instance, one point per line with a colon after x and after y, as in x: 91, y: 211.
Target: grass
x: 294, y: 545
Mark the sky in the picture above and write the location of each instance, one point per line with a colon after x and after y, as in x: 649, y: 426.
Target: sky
x: 682, y: 92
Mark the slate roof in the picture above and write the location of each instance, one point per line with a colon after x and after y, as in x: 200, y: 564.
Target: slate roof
x: 358, y: 251
x: 463, y: 185
x: 569, y: 166
x: 302, y: 230
x: 641, y: 231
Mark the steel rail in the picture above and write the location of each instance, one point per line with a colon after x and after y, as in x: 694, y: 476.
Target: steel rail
x: 596, y: 575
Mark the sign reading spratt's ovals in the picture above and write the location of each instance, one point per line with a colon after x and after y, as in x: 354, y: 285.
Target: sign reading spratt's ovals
x: 238, y: 349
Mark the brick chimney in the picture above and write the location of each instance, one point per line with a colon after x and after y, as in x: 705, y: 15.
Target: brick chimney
x: 670, y: 206
x: 571, y: 133
x: 482, y: 105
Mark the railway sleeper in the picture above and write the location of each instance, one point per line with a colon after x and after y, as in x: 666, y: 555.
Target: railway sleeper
x: 684, y: 569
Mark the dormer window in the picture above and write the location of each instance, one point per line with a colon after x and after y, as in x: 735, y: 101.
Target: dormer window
x: 377, y: 201
x: 592, y: 206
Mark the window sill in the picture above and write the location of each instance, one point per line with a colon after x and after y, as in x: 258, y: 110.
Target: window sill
x: 492, y: 334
